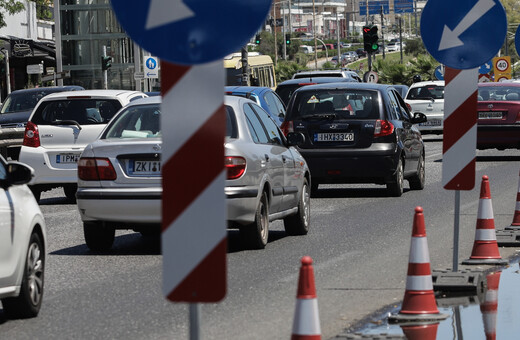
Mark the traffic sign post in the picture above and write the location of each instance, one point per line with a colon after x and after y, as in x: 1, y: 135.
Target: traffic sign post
x: 151, y: 67
x: 191, y: 38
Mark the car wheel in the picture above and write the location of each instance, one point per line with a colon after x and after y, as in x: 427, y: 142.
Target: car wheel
x: 417, y: 181
x: 70, y: 192
x: 395, y: 188
x: 298, y: 224
x: 27, y: 303
x: 98, y: 237
x: 36, y: 192
x: 256, y: 234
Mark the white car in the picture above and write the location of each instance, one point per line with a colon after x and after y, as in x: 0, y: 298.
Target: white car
x: 428, y: 97
x: 22, y: 243
x: 60, y: 127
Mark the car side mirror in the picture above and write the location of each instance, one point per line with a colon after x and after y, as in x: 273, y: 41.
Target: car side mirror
x: 419, y: 117
x: 18, y: 173
x: 295, y: 138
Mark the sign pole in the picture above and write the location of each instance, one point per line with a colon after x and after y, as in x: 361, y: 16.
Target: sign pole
x: 456, y: 232
x: 194, y: 321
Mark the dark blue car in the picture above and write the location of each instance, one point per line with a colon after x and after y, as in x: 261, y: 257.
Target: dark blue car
x: 263, y: 96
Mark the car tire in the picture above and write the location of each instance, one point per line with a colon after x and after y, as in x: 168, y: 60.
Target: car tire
x: 27, y: 304
x: 98, y: 237
x: 70, y: 192
x: 417, y: 181
x: 395, y: 187
x: 256, y: 234
x: 37, y: 192
x: 299, y: 223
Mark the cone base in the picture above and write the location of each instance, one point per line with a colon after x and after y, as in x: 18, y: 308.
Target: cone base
x: 412, y: 318
x: 485, y: 261
x: 513, y: 227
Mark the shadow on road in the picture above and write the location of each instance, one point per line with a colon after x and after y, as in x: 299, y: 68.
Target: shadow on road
x: 236, y: 244
x: 351, y: 192
x: 498, y: 158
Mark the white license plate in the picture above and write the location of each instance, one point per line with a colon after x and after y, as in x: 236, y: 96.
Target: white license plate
x: 64, y: 158
x: 140, y: 167
x: 490, y: 115
x: 333, y: 137
x: 433, y: 122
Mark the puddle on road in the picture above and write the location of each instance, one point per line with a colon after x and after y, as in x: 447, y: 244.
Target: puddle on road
x: 494, y: 313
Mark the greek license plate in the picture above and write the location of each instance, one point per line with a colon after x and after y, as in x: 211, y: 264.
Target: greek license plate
x: 333, y: 137
x: 137, y: 167
x: 490, y: 115
x: 433, y: 122
x: 64, y: 158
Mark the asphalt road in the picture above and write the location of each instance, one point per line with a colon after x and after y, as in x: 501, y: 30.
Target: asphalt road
x: 359, y: 241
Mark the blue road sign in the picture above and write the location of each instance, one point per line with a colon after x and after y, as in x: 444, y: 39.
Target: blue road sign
x: 151, y: 63
x: 486, y: 68
x: 517, y: 40
x: 191, y: 31
x: 439, y: 72
x: 374, y: 7
x: 463, y: 34
x: 403, y: 6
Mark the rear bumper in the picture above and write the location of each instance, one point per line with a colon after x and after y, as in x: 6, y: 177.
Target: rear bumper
x: 241, y: 205
x: 498, y: 136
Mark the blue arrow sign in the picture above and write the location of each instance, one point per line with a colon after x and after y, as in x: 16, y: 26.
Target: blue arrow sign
x: 191, y: 31
x: 486, y: 68
x: 467, y: 34
x: 439, y: 72
x: 517, y: 40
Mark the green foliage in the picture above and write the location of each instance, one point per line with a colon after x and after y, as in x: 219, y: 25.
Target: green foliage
x: 424, y: 65
x: 415, y: 47
x: 390, y: 72
x: 285, y: 69
x: 9, y: 7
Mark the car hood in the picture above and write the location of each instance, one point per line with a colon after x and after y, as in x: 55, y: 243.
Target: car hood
x: 15, y: 118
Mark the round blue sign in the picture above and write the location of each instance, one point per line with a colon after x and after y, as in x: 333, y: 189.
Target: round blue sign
x: 151, y: 63
x: 191, y: 31
x: 439, y: 72
x: 486, y: 68
x: 463, y: 34
x: 517, y: 40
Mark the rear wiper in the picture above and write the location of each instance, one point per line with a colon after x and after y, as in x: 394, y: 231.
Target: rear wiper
x: 319, y: 116
x: 66, y: 122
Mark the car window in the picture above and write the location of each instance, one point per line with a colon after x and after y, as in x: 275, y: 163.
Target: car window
x: 138, y: 121
x: 255, y: 126
x: 498, y: 93
x: 399, y: 105
x: 426, y: 92
x: 275, y: 104
x: 83, y: 111
x: 231, y: 123
x: 3, y: 172
x: 274, y: 134
x: 393, y: 111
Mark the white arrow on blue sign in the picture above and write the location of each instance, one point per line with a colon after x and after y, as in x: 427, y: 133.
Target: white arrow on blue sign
x: 463, y: 34
x: 191, y: 32
x: 517, y: 40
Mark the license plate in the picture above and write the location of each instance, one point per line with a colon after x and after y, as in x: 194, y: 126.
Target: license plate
x: 142, y: 167
x: 333, y: 137
x: 433, y: 122
x: 64, y: 158
x: 490, y: 115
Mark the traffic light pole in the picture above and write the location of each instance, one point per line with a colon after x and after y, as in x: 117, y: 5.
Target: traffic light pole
x: 105, y: 72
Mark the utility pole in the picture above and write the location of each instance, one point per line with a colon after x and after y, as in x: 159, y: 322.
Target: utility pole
x: 274, y: 29
x: 105, y: 72
x: 57, y: 40
x: 382, y: 32
x: 283, y: 32
x: 314, y: 29
x: 245, y: 67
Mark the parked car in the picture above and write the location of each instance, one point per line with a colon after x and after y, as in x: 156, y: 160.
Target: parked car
x: 263, y: 96
x: 23, y: 243
x: 15, y: 112
x: 340, y: 73
x: 392, y: 47
x: 361, y: 52
x: 428, y: 97
x: 306, y: 49
x: 350, y: 56
x: 119, y: 185
x: 61, y: 125
x: 358, y: 133
x: 498, y: 120
x: 286, y: 88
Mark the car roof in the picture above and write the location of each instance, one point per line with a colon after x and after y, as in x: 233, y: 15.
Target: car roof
x: 428, y: 82
x: 145, y: 101
x: 247, y: 89
x: 92, y: 93
x: 345, y: 85
x: 49, y: 88
x: 500, y: 83
x: 311, y: 72
x: 316, y: 80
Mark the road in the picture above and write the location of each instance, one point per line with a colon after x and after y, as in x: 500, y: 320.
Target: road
x: 359, y: 241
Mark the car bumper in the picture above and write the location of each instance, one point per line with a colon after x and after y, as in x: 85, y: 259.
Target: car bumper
x: 498, y: 136
x: 128, y: 205
x: 434, y: 123
x: 241, y: 204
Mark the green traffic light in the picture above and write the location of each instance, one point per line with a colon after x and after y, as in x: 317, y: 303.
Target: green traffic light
x: 375, y: 46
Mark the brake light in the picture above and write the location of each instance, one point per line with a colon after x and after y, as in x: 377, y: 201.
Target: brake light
x: 409, y: 107
x: 305, y: 84
x: 236, y: 166
x: 31, y: 135
x: 383, y: 128
x: 96, y: 169
x: 287, y: 127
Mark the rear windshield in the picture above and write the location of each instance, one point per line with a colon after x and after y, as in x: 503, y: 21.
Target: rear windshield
x: 307, y: 75
x: 82, y: 111
x: 138, y: 121
x: 500, y: 93
x: 426, y: 92
x: 349, y: 103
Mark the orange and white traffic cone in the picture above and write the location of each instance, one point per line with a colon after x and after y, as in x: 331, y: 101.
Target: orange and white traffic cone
x: 489, y: 306
x: 485, y: 247
x: 306, y: 325
x: 421, y: 331
x: 515, y: 225
x: 419, y: 299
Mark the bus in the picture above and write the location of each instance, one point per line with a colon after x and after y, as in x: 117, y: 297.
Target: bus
x: 261, y: 70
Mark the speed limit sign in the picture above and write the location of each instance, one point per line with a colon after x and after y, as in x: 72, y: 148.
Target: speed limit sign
x: 502, y: 64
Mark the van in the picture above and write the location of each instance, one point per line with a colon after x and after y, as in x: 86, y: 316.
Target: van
x: 306, y: 49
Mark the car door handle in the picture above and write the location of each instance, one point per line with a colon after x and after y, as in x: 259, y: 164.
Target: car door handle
x: 266, y: 157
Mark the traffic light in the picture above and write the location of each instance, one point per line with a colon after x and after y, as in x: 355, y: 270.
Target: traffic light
x: 258, y: 40
x: 106, y: 63
x: 370, y: 38
x: 288, y: 38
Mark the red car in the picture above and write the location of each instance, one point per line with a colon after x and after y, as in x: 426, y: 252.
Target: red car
x: 498, y: 123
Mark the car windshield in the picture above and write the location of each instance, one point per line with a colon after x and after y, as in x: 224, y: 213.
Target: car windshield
x: 348, y: 103
x: 499, y: 93
x: 426, y: 92
x: 18, y: 102
x: 81, y: 111
x: 136, y: 121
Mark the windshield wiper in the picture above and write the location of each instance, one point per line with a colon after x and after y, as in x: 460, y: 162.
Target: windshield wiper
x: 66, y: 122
x: 319, y: 116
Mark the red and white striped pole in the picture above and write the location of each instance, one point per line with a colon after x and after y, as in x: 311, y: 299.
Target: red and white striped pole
x: 194, y: 232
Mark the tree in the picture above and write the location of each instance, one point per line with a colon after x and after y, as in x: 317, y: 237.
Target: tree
x: 9, y: 7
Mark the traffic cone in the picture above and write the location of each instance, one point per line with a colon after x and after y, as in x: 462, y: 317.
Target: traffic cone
x: 306, y: 325
x: 515, y: 225
x: 489, y: 306
x: 485, y: 247
x: 426, y: 331
x: 419, y: 300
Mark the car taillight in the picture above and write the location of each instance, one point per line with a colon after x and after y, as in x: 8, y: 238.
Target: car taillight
x: 96, y: 169
x: 383, y: 128
x: 236, y: 166
x: 31, y: 136
x: 409, y: 107
x: 287, y: 127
